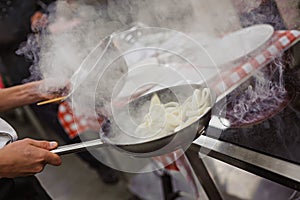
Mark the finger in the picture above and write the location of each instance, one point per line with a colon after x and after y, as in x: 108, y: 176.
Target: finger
x: 52, y: 159
x: 24, y: 174
x: 44, y: 144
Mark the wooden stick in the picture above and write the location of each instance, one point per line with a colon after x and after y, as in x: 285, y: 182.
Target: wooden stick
x: 52, y: 100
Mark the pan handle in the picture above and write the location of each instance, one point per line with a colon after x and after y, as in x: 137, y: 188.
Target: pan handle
x: 78, y: 147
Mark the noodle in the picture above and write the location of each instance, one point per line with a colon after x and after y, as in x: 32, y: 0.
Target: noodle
x: 164, y: 119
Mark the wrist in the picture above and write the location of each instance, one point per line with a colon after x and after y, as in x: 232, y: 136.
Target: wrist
x: 31, y: 92
x: 2, y: 158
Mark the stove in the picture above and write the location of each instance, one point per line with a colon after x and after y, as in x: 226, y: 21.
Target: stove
x: 277, y: 135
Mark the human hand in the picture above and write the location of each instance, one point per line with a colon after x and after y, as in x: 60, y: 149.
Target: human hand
x: 26, y: 157
x: 41, y: 91
x: 54, y: 88
x: 29, y: 93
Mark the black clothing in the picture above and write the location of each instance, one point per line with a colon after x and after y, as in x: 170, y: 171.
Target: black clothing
x: 15, y: 21
x: 15, y: 25
x: 23, y: 188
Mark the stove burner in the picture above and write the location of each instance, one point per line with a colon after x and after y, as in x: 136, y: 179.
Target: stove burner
x: 277, y: 132
x: 251, y: 112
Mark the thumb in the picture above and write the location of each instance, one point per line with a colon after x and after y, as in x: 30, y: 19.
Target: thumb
x: 44, y: 144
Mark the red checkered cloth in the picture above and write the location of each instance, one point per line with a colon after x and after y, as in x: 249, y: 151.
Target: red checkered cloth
x: 280, y: 42
x: 74, y: 125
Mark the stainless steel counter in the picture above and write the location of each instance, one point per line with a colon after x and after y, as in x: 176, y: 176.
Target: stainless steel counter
x: 275, y: 169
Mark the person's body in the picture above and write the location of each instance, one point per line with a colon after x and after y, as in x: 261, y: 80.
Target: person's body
x: 17, y: 69
x: 15, y: 25
x: 49, y: 113
x: 26, y: 157
x: 19, y: 95
x: 22, y: 159
x: 19, y: 161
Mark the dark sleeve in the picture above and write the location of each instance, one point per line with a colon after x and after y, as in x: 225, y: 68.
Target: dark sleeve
x: 15, y: 21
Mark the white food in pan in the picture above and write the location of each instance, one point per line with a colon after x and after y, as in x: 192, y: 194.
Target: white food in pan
x: 164, y: 119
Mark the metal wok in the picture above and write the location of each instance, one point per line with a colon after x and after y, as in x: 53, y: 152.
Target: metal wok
x: 156, y: 146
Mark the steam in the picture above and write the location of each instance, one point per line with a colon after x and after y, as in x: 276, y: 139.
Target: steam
x: 75, y: 28
x: 260, y: 100
x: 260, y: 12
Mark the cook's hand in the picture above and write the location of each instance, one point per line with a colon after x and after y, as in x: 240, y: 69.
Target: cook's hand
x: 50, y: 89
x: 40, y: 91
x: 26, y: 157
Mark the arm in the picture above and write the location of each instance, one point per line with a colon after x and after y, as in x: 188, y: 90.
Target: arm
x: 26, y: 157
x: 20, y: 95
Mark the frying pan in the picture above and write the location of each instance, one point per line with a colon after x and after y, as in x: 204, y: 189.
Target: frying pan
x: 153, y: 146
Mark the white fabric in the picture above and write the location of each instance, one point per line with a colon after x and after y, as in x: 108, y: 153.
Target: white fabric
x: 7, y: 133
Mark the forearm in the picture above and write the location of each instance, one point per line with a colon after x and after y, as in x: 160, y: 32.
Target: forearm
x: 26, y: 157
x: 19, y: 95
x: 3, y: 165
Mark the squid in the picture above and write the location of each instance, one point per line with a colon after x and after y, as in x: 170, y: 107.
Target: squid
x: 164, y: 119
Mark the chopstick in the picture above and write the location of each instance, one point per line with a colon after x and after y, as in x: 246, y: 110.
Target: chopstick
x: 136, y: 95
x: 51, y: 100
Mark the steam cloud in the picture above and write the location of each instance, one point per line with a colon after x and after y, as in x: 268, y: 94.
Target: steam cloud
x: 76, y: 28
x: 261, y: 99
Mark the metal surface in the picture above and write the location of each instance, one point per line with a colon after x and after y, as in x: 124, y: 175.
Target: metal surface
x: 149, y: 148
x: 152, y: 147
x: 274, y: 169
x: 167, y: 144
x: 203, y: 176
x: 78, y: 147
